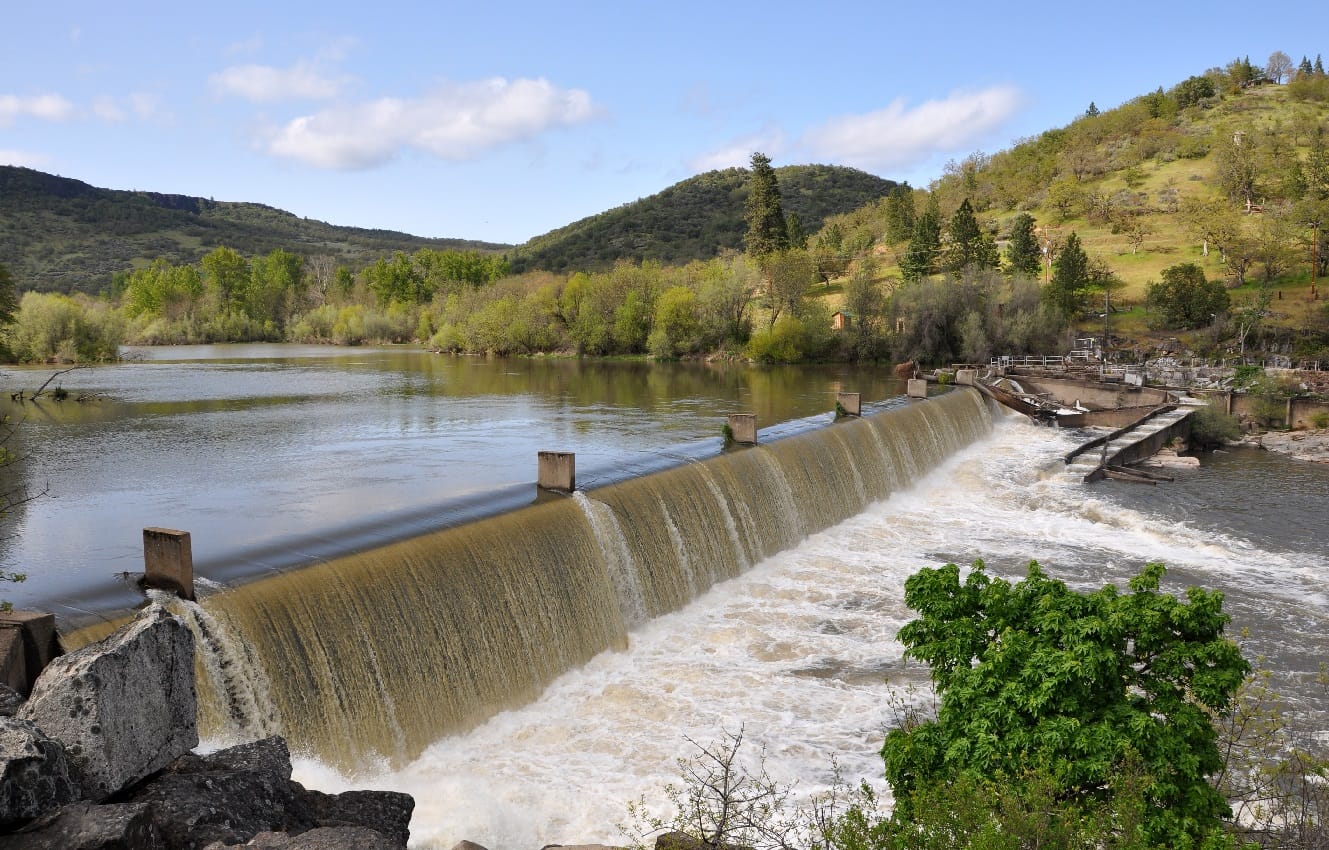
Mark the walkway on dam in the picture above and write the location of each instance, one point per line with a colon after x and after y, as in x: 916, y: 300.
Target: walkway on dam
x: 1097, y: 458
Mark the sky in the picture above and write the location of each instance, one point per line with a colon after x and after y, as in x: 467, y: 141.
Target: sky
x: 504, y: 120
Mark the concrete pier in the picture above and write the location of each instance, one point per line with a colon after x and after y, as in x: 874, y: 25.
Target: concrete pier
x: 966, y: 377
x: 28, y: 642
x: 168, y: 561
x: 557, y: 471
x: 918, y: 388
x: 743, y: 427
x: 850, y: 403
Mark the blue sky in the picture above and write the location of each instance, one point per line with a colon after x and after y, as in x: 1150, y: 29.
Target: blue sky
x: 504, y: 122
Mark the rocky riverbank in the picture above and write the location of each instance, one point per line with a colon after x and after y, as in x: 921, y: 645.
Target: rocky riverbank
x: 1311, y: 446
x: 99, y: 757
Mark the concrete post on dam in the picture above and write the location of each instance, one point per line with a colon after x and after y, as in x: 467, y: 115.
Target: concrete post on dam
x: 917, y: 388
x: 851, y: 404
x: 743, y: 428
x: 557, y: 471
x: 168, y: 561
x: 966, y: 377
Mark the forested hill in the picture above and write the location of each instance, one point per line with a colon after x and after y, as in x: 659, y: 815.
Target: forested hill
x: 58, y: 234
x: 696, y: 219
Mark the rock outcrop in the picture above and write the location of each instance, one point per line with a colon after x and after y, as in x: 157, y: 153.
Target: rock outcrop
x: 34, y: 776
x: 113, y: 724
x: 123, y: 707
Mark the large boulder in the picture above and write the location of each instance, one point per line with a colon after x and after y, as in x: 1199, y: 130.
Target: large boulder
x: 123, y: 707
x: 229, y: 797
x: 34, y: 776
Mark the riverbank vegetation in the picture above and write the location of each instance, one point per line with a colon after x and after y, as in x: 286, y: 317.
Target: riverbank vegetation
x: 1187, y: 219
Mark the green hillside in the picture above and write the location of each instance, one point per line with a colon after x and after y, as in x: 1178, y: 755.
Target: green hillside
x: 58, y: 234
x: 1225, y: 170
x: 695, y: 219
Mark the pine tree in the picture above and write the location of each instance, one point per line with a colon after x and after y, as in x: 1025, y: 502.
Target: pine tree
x: 1092, y: 111
x: 1304, y: 69
x: 1319, y: 66
x: 1070, y: 274
x: 900, y: 213
x: 968, y: 246
x: 1023, y: 254
x: 920, y: 259
x: 767, y: 230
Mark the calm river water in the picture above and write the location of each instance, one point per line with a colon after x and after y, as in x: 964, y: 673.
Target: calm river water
x: 273, y: 455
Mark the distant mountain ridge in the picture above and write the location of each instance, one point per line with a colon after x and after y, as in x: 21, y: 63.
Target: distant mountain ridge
x: 696, y: 219
x: 60, y: 234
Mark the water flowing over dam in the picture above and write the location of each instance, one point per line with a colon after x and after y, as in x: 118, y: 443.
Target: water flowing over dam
x: 371, y: 658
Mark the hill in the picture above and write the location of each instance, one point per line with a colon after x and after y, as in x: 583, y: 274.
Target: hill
x: 58, y: 234
x: 1222, y: 170
x: 695, y: 219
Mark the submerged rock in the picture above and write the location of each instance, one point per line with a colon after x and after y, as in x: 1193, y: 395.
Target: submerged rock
x: 123, y: 707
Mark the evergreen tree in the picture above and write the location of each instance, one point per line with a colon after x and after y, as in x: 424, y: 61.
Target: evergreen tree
x: 1319, y: 66
x: 968, y: 246
x: 1092, y: 111
x: 900, y: 214
x: 8, y: 296
x: 1304, y: 68
x: 920, y: 258
x: 1065, y: 292
x: 793, y: 225
x: 1023, y: 254
x: 767, y: 231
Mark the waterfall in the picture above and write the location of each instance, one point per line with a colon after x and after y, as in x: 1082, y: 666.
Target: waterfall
x: 370, y: 658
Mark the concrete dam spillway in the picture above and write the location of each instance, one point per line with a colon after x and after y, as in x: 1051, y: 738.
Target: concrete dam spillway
x: 370, y: 658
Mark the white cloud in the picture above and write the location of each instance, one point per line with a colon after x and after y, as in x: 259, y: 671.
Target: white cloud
x: 48, y: 107
x: 738, y: 153
x: 25, y: 159
x: 457, y: 121
x: 142, y: 105
x: 899, y: 136
x: 105, y: 108
x: 263, y: 83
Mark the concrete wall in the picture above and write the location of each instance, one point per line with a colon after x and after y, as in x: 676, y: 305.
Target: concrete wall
x: 1093, y: 395
x: 1296, y: 414
x: 1118, y: 418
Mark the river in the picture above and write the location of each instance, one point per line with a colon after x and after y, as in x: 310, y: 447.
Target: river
x: 799, y: 651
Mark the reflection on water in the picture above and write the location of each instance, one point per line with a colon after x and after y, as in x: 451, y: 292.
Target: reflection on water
x: 266, y: 449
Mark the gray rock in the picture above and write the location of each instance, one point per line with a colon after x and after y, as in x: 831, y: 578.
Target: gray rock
x: 124, y: 707
x: 10, y: 701
x: 84, y: 826
x: 34, y: 775
x: 468, y: 845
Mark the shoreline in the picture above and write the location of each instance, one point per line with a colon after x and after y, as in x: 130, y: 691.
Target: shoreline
x: 1311, y: 446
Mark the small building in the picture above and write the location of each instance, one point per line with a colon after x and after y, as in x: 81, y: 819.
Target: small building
x: 841, y: 320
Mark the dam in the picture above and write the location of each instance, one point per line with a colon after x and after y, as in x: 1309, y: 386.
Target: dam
x: 371, y: 658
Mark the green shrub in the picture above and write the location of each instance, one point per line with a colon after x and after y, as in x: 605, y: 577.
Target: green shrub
x: 1211, y: 427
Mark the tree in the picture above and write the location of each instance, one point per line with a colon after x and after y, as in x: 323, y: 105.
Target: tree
x: 1023, y: 254
x: 920, y: 257
x: 8, y: 296
x: 1035, y: 677
x: 967, y: 245
x: 788, y: 274
x: 1092, y: 111
x: 900, y: 213
x: 1278, y: 66
x: 767, y: 229
x: 225, y: 274
x: 1065, y: 292
x: 1184, y: 298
